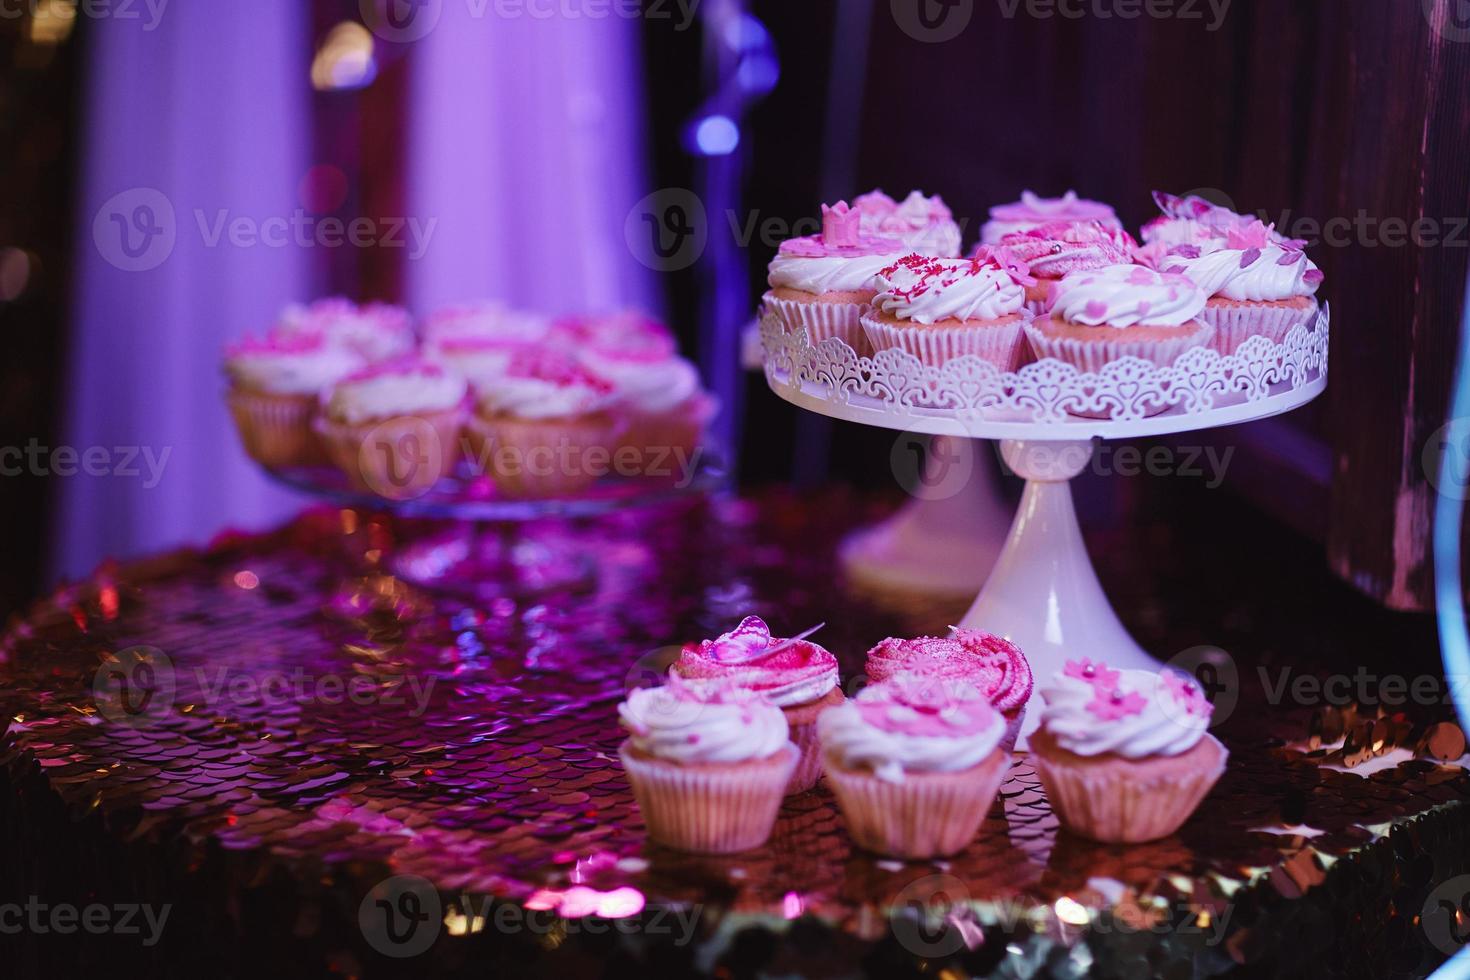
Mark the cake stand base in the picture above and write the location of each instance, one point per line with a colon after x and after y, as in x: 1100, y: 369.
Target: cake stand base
x: 1043, y: 594
x: 485, y: 561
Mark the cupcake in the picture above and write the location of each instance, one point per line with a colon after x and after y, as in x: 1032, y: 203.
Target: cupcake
x: 628, y: 332
x: 1032, y: 212
x: 478, y: 359
x: 1099, y: 315
x: 545, y: 427
x: 394, y: 427
x: 940, y: 309
x: 1258, y: 284
x: 797, y: 676
x: 708, y: 763
x: 274, y: 387
x: 924, y: 224
x: 915, y: 763
x: 824, y: 282
x: 483, y: 321
x: 375, y: 331
x: 665, y: 408
x: 993, y: 665
x: 1054, y: 250
x: 1124, y: 755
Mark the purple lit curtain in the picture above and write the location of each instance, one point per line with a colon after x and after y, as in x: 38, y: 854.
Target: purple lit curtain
x: 527, y: 151
x: 203, y: 115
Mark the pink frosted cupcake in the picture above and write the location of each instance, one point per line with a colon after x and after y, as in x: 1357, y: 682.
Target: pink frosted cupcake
x: 1098, y: 316
x: 1124, y: 755
x: 940, y: 309
x: 546, y: 427
x: 1032, y: 211
x: 664, y: 405
x: 1258, y: 284
x: 629, y: 333
x: 824, y: 282
x: 708, y: 763
x: 483, y: 321
x: 478, y: 359
x: 915, y: 763
x: 796, y: 676
x: 924, y: 224
x: 274, y: 387
x: 394, y: 427
x: 374, y: 331
x: 993, y: 665
x: 1055, y: 250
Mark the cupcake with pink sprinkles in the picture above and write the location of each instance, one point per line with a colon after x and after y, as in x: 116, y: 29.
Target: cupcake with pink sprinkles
x: 795, y: 675
x: 373, y: 331
x: 1124, y: 755
x: 915, y: 763
x: 1052, y: 251
x: 991, y: 664
x: 1033, y: 211
x: 274, y: 387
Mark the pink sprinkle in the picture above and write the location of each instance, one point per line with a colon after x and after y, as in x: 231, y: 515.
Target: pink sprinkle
x: 693, y: 738
x: 1096, y: 308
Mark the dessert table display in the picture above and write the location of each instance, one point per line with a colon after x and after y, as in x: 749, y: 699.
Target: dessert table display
x: 283, y: 740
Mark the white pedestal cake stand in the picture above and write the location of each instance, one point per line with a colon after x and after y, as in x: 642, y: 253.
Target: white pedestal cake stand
x: 1043, y: 593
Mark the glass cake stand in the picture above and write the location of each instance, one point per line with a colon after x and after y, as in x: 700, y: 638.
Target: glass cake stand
x: 1042, y: 592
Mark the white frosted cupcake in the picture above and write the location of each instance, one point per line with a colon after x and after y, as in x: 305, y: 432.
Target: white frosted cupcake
x: 1033, y: 211
x: 915, y: 763
x: 1099, y: 315
x: 1258, y: 284
x: 394, y: 427
x: 483, y: 321
x: 709, y: 764
x: 665, y: 407
x: 924, y: 224
x: 274, y: 387
x: 546, y: 427
x: 824, y: 282
x: 940, y: 309
x: 629, y: 333
x: 374, y: 331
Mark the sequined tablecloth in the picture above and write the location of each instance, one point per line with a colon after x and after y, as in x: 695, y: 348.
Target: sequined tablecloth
x: 391, y: 752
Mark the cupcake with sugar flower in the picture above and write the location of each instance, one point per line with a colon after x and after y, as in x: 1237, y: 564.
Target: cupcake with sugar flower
x: 374, y: 331
x: 1052, y: 251
x: 1258, y: 283
x: 709, y: 763
x: 1033, y: 211
x: 545, y: 427
x: 915, y: 763
x: 924, y: 224
x: 274, y: 385
x: 665, y: 407
x: 1188, y: 220
x: 940, y: 309
x: 1099, y: 315
x: 795, y: 675
x: 993, y: 665
x: 824, y: 282
x: 394, y: 427
x: 1124, y: 755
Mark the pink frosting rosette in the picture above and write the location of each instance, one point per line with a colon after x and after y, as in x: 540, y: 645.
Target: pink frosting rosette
x: 785, y: 672
x: 1032, y: 211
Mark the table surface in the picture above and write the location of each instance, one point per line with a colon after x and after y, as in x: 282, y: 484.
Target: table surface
x: 324, y: 716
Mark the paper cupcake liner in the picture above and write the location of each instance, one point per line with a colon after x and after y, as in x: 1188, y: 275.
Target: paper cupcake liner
x: 540, y: 458
x: 709, y: 809
x: 801, y: 720
x: 822, y: 320
x: 927, y: 815
x: 681, y: 429
x: 1094, y: 355
x: 1118, y: 802
x: 1013, y: 728
x: 1234, y: 325
x: 398, y: 458
x: 1000, y: 345
x: 276, y: 430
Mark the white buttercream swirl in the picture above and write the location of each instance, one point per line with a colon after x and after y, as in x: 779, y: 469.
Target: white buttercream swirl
x: 668, y: 723
x: 391, y: 395
x: 1220, y: 273
x: 293, y: 372
x: 1163, y: 727
x: 533, y: 398
x: 856, y: 742
x: 923, y: 224
x: 827, y: 273
x: 1126, y: 296
x: 941, y: 289
x: 647, y: 386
